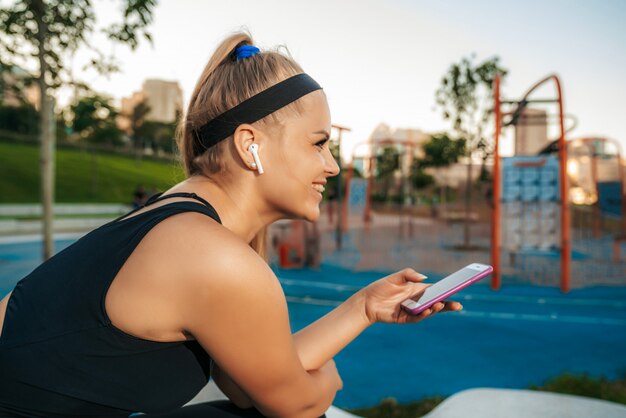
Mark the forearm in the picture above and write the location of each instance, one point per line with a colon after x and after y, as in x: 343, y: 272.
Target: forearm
x: 323, y: 339
x: 307, y: 397
x: 326, y: 388
x: 316, y: 345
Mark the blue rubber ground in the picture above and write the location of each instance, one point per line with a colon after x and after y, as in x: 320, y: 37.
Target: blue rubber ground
x: 518, y: 336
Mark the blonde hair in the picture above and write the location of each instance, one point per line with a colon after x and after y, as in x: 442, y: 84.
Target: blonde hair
x: 223, y: 84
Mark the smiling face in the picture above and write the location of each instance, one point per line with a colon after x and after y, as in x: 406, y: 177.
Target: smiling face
x: 298, y: 164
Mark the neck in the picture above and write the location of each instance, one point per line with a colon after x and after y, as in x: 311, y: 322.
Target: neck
x: 240, y: 209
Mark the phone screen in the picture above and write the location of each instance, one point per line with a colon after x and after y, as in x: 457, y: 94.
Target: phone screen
x: 448, y: 286
x: 447, y: 283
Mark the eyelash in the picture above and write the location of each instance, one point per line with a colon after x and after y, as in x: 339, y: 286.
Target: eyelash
x: 321, y: 143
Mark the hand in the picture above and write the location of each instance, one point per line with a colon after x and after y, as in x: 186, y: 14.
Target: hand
x: 383, y: 298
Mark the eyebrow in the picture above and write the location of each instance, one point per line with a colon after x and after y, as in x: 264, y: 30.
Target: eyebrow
x: 322, y: 131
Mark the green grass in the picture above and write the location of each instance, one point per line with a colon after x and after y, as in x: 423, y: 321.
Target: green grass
x: 571, y: 384
x: 389, y: 408
x: 584, y: 385
x: 81, y: 176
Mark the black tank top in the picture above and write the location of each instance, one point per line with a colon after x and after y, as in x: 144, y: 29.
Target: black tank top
x: 60, y: 355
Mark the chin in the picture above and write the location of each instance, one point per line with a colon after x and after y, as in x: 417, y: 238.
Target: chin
x: 313, y: 217
x: 302, y: 207
x: 311, y: 214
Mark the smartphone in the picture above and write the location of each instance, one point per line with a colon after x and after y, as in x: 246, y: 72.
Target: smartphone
x: 447, y: 286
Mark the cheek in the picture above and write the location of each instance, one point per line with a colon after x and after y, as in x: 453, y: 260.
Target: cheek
x: 312, y: 168
x: 291, y: 178
x: 315, y: 162
x: 304, y: 165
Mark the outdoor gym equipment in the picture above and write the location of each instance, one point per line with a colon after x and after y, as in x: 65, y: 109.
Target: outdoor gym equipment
x: 564, y: 215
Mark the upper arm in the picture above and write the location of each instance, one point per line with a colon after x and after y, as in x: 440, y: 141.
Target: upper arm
x: 237, y: 311
x: 3, y: 308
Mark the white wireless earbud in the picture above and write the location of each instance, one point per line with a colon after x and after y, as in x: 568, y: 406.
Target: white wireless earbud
x: 254, y: 149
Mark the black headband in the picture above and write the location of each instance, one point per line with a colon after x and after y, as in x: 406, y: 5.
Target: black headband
x: 253, y: 109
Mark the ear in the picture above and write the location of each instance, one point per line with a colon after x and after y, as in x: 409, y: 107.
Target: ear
x: 244, y: 136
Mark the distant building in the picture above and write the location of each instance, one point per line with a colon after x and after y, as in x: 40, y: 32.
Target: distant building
x: 18, y: 82
x: 402, y: 139
x: 415, y: 137
x: 165, y: 99
x: 454, y: 175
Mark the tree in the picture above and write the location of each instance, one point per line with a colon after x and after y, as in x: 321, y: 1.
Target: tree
x: 47, y: 32
x: 93, y: 120
x: 333, y: 182
x: 466, y: 98
x: 441, y: 151
x: 19, y: 119
x: 387, y: 163
x: 137, y: 120
x: 419, y: 178
x: 157, y: 136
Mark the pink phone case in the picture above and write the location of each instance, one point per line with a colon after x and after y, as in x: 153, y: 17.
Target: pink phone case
x: 463, y: 285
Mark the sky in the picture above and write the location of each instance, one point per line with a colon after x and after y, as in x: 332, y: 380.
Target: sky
x: 382, y: 61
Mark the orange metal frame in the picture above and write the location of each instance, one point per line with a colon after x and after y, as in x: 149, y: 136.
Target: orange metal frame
x: 566, y: 250
x: 346, y: 196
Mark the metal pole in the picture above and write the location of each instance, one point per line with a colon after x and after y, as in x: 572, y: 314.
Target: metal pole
x: 409, y: 202
x: 346, y: 198
x: 566, y: 249
x: 48, y: 136
x: 595, y: 214
x: 496, y: 280
x: 367, y: 212
x: 340, y: 204
x: 621, y: 183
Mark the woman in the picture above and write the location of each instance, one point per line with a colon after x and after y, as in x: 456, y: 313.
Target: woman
x: 137, y: 314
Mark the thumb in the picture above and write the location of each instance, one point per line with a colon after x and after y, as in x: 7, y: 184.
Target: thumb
x: 411, y: 275
x: 417, y: 288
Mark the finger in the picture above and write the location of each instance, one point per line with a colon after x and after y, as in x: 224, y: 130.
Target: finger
x: 420, y: 317
x: 411, y: 275
x: 407, y: 275
x: 438, y: 307
x: 451, y: 306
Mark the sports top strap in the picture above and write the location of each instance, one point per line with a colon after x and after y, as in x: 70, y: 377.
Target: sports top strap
x: 158, y: 197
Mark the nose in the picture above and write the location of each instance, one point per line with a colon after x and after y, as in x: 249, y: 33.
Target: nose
x: 332, y: 168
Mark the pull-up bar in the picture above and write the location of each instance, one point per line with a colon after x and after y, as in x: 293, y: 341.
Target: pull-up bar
x: 529, y: 101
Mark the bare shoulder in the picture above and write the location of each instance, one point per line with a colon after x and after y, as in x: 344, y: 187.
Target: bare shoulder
x: 185, y: 260
x: 200, y: 247
x: 210, y: 259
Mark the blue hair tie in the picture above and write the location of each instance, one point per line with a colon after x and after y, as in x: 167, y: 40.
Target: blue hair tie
x: 245, y: 51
